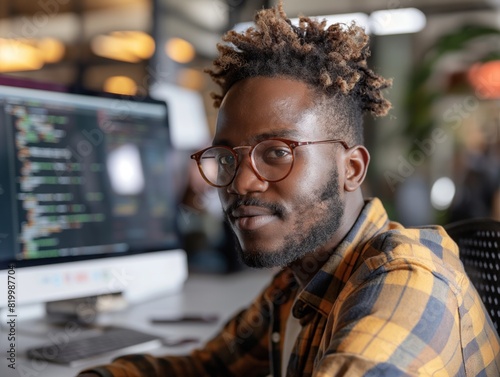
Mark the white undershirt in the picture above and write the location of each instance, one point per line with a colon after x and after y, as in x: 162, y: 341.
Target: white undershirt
x: 292, y: 331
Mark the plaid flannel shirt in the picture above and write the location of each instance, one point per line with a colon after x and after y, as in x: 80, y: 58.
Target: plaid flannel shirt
x: 390, y: 301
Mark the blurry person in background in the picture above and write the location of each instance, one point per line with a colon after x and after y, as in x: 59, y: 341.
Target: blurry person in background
x: 477, y: 173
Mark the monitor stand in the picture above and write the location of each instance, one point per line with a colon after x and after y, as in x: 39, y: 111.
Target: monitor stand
x: 84, y: 310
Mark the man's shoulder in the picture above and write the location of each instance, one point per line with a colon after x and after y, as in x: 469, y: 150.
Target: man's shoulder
x: 396, y: 238
x: 429, y: 247
x: 380, y: 235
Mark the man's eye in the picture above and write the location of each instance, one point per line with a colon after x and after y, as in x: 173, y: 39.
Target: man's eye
x: 277, y: 154
x: 226, y: 160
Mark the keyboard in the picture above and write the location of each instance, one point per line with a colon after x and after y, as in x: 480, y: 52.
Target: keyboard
x: 82, y: 349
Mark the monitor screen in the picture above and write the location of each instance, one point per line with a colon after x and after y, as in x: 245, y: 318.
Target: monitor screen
x: 82, y: 178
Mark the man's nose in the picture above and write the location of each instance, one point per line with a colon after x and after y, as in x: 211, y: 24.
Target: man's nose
x: 246, y: 179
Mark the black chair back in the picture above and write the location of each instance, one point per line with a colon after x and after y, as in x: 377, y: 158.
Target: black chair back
x: 479, y: 244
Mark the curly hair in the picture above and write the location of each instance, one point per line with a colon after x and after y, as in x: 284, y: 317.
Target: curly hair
x: 330, y: 60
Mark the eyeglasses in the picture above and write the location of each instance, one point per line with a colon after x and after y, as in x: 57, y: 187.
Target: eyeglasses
x: 271, y: 160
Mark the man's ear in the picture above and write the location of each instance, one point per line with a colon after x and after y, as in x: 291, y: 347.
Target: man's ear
x: 356, y: 163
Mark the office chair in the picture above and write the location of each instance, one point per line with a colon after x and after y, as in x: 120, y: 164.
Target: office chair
x: 479, y: 244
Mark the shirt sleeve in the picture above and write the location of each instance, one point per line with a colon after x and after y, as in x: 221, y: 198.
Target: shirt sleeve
x: 399, y: 319
x: 240, y: 348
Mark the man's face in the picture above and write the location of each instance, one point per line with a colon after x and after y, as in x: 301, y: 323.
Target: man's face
x: 277, y: 223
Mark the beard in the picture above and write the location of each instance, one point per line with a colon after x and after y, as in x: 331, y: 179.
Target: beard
x: 322, y: 216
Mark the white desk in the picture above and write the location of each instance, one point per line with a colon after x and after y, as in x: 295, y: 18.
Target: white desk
x: 209, y: 294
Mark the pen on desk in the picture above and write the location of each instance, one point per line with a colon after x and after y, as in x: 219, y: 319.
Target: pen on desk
x: 186, y: 318
x: 179, y: 342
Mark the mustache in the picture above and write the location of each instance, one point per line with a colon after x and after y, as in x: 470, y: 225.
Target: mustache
x: 276, y: 209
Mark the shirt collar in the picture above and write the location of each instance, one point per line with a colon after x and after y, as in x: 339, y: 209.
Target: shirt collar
x: 323, y: 289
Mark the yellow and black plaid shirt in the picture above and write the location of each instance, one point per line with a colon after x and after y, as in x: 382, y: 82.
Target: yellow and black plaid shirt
x: 390, y: 301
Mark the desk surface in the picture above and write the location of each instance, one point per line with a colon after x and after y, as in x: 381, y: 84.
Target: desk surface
x: 202, y: 294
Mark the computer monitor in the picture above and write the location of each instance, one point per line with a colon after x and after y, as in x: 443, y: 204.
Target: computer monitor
x: 87, y: 204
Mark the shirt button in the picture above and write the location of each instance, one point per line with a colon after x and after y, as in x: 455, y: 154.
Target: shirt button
x: 275, y: 337
x: 299, y: 310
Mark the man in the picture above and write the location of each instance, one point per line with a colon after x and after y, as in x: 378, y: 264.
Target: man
x: 358, y: 295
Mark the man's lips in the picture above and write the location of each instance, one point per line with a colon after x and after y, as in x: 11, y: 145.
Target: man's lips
x: 248, y: 218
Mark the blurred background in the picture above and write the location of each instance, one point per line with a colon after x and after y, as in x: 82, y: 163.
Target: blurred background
x: 435, y: 158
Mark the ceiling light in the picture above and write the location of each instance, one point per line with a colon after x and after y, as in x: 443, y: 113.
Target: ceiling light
x: 139, y: 43
x: 128, y: 46
x: 397, y: 21
x: 120, y: 85
x: 180, y: 50
x: 52, y: 49
x: 442, y: 193
x: 112, y: 48
x: 16, y: 55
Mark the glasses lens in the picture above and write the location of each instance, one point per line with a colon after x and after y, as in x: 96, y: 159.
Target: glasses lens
x: 273, y: 159
x: 218, y: 165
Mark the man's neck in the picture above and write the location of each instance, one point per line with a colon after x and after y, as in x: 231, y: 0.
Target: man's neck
x: 305, y: 268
